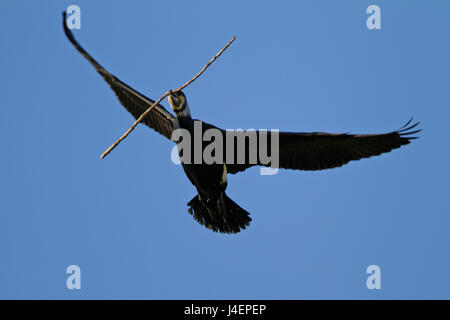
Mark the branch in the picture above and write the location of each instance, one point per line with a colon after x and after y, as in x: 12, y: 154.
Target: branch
x: 163, y: 96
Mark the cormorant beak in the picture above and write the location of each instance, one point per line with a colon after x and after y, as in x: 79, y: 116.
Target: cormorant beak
x: 177, y: 102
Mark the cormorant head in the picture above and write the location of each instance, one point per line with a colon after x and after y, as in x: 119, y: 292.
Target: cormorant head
x: 178, y: 103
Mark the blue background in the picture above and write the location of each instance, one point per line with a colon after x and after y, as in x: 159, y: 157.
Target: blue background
x: 297, y: 66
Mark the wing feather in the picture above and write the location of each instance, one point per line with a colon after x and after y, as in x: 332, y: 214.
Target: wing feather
x: 319, y: 150
x: 136, y: 103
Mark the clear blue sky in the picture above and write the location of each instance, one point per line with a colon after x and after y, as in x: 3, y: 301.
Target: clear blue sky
x: 297, y: 66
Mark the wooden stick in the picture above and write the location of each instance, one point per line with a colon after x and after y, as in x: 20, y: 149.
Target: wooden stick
x: 162, y: 97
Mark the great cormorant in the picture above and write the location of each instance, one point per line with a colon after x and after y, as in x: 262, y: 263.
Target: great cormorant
x: 302, y: 151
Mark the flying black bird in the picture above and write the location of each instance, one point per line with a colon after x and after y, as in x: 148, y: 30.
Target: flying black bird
x: 302, y: 151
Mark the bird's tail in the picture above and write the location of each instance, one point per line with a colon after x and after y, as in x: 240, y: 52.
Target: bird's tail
x: 223, y: 215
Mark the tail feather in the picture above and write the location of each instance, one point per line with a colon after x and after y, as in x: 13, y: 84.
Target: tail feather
x: 222, y: 216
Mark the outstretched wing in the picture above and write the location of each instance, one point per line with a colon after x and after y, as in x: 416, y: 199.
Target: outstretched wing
x: 318, y: 150
x: 136, y: 103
